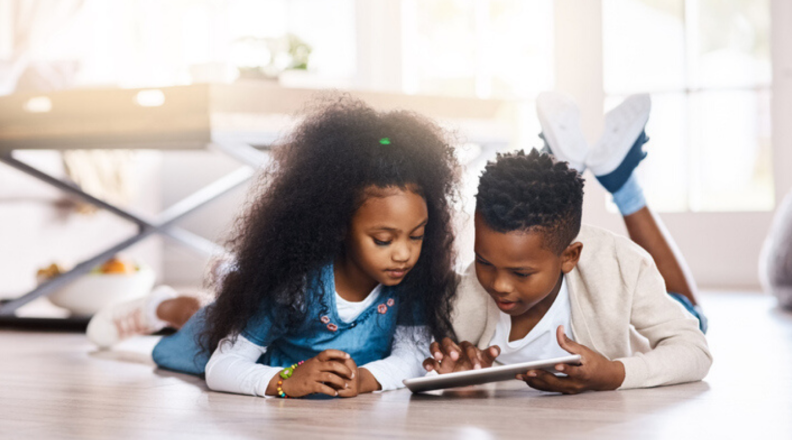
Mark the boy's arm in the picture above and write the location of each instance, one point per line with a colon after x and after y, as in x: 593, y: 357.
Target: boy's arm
x: 679, y: 351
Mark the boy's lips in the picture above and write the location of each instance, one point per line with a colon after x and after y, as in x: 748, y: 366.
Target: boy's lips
x: 505, y: 305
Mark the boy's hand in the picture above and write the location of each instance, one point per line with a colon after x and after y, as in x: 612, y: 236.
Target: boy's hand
x: 326, y: 373
x: 449, y: 357
x: 595, y: 372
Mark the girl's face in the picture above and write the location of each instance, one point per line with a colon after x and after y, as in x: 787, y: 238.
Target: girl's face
x: 386, y: 234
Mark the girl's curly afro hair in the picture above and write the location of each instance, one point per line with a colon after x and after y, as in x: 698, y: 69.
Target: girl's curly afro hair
x: 298, y: 218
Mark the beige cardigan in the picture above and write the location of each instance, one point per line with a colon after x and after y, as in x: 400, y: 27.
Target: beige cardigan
x: 620, y: 309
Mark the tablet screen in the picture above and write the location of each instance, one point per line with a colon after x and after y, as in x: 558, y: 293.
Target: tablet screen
x: 485, y: 375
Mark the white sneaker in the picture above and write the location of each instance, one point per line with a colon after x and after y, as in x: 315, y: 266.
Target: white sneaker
x: 117, y: 322
x: 559, y: 117
x: 623, y: 124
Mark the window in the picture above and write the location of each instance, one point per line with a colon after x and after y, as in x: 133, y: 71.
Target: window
x: 478, y: 48
x: 707, y: 65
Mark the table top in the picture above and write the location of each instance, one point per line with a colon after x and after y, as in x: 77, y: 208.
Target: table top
x: 194, y: 116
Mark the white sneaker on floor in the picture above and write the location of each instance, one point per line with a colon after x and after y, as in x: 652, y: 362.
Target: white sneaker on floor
x: 117, y: 322
x: 559, y: 117
x: 623, y: 124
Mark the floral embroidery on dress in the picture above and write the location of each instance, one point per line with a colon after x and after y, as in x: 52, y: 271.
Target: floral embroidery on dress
x: 325, y: 319
x: 382, y: 308
x: 390, y: 302
x: 332, y: 327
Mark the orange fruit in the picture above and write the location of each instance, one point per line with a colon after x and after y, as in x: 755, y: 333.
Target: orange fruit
x: 115, y: 265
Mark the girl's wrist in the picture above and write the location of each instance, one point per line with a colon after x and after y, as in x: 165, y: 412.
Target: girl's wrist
x: 367, y: 382
x: 276, y: 387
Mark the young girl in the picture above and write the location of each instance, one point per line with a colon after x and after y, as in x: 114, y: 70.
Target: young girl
x: 343, y: 259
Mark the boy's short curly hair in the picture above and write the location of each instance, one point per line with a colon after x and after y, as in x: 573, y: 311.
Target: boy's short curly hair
x: 534, y: 193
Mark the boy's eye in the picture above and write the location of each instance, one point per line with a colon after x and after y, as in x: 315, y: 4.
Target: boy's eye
x: 482, y: 262
x: 381, y: 242
x: 522, y: 275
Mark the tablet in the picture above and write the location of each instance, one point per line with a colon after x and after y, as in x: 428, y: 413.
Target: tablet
x: 485, y: 375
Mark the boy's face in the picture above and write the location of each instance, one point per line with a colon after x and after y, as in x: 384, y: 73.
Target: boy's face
x: 516, y: 269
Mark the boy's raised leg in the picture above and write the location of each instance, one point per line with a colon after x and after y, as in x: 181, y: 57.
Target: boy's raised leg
x: 621, y: 149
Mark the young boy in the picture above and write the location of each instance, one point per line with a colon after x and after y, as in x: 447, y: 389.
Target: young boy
x: 542, y: 286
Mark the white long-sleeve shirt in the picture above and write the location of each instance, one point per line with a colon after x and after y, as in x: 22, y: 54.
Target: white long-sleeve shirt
x: 233, y: 368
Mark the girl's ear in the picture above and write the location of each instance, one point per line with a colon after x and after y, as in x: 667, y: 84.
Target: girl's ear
x: 570, y: 256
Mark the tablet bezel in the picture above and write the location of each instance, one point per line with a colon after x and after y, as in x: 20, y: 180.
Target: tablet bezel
x: 485, y: 375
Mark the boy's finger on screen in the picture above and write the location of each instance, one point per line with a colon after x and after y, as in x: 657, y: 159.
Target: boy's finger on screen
x: 491, y: 353
x: 434, y: 348
x: 474, y: 355
x: 331, y: 354
x: 451, y: 349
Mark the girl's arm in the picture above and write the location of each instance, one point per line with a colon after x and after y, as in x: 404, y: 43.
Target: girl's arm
x: 410, y: 347
x: 233, y: 368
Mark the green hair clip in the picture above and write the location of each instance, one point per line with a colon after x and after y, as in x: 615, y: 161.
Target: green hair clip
x: 385, y: 141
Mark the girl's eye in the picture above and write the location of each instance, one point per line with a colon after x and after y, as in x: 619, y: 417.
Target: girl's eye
x: 418, y: 238
x: 482, y: 262
x: 381, y: 243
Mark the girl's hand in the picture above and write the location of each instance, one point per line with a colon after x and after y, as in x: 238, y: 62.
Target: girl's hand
x: 326, y: 373
x: 353, y: 385
x: 449, y: 357
x: 595, y: 372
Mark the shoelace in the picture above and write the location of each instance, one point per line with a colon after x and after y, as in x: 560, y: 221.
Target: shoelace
x: 129, y: 324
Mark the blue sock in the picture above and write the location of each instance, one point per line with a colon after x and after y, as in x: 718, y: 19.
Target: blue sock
x: 629, y: 198
x: 615, y: 179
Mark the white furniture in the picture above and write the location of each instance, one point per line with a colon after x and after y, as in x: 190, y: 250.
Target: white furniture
x: 240, y: 120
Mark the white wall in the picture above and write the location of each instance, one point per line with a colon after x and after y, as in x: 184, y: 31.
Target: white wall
x: 722, y: 249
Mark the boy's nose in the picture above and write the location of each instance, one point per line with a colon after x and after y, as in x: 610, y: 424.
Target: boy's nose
x: 500, y: 285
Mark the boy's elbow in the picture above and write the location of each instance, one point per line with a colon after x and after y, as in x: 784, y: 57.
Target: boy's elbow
x: 705, y: 361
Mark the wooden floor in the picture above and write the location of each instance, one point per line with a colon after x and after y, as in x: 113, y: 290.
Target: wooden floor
x: 55, y: 385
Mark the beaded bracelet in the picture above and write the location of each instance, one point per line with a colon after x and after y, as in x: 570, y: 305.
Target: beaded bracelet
x: 285, y: 374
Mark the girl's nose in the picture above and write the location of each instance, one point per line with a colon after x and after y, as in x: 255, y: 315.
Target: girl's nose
x: 401, y: 253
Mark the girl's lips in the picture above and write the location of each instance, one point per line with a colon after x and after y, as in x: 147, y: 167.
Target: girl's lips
x: 396, y: 273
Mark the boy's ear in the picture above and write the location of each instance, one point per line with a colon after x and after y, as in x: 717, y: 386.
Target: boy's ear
x: 570, y: 256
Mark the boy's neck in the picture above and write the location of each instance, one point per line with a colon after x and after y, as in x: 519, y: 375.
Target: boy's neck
x: 351, y: 283
x: 522, y: 325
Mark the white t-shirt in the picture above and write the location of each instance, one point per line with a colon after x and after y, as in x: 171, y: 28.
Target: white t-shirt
x: 540, y: 343
x: 348, y: 311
